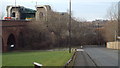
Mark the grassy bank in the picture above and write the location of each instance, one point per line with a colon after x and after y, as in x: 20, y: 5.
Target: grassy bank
x: 46, y: 58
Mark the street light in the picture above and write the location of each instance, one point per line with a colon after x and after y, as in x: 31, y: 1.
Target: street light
x: 69, y: 26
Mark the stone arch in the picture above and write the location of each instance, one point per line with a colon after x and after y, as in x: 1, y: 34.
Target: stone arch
x: 11, y: 42
x: 46, y: 7
x: 42, y: 12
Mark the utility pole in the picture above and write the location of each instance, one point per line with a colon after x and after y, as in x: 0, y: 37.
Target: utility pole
x: 69, y: 27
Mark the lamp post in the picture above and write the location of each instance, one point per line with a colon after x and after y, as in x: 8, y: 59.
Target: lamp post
x: 69, y: 27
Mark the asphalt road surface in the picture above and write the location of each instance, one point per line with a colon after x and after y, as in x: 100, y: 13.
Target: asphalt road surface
x: 103, y: 56
x: 82, y: 59
x: 94, y: 57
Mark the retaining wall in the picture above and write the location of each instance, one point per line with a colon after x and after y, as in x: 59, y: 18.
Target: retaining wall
x: 113, y: 45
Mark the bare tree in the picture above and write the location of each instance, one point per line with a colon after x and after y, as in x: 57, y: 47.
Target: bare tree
x: 111, y: 28
x: 54, y: 32
x: 112, y: 12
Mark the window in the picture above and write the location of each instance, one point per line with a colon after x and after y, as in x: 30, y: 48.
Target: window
x: 13, y: 14
x: 41, y: 14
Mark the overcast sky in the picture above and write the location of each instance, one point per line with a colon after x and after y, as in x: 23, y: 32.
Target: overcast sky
x: 85, y: 9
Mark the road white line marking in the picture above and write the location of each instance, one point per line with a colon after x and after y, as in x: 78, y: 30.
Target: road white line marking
x: 80, y: 50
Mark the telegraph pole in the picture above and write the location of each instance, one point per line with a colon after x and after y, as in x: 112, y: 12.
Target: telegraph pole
x: 69, y: 26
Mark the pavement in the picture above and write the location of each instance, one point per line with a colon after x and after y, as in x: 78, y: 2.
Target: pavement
x: 96, y: 56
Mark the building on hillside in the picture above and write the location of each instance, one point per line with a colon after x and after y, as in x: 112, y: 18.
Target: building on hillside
x: 20, y: 12
x: 42, y: 12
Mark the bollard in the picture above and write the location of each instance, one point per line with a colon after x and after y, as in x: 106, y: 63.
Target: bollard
x: 37, y: 65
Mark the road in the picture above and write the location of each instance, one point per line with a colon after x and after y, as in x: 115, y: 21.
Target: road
x: 82, y: 59
x: 103, y: 56
x: 100, y: 56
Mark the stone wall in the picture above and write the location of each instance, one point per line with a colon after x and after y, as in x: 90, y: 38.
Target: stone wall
x: 113, y: 45
x: 42, y: 12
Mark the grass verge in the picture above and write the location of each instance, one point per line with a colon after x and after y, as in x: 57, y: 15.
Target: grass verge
x: 46, y: 58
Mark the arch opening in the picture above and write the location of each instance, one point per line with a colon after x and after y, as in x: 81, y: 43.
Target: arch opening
x: 13, y: 14
x: 11, y: 42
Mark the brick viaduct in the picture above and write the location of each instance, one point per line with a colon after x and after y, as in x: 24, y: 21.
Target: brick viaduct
x: 12, y: 32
